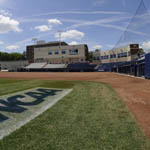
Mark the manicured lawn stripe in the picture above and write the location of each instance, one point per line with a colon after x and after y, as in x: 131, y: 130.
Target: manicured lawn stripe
x: 92, y: 117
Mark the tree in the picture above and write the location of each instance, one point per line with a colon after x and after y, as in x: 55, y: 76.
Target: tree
x: 97, y: 50
x: 90, y: 58
x: 4, y: 56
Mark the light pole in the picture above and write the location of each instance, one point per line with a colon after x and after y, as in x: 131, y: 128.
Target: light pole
x: 59, y: 34
x: 34, y: 39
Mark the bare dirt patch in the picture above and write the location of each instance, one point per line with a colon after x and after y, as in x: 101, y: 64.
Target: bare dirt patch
x: 135, y: 92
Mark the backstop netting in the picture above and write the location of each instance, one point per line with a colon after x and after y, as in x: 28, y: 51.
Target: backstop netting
x: 138, y: 29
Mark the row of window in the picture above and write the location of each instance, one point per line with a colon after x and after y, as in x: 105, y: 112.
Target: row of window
x: 56, y: 52
x: 105, y: 57
x: 125, y: 54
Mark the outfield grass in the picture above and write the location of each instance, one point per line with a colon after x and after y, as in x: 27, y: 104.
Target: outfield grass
x: 12, y: 85
x: 92, y: 117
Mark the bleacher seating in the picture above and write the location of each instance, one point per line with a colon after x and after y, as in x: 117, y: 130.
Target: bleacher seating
x: 55, y: 66
x: 92, y: 66
x: 36, y: 66
x: 103, y: 67
x: 73, y: 67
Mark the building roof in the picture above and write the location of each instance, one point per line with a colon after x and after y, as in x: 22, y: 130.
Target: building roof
x: 49, y: 44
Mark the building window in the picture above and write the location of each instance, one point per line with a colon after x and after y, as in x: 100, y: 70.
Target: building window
x: 63, y: 51
x: 56, y: 52
x: 50, y: 53
x: 129, y: 53
x: 119, y: 55
x: 105, y: 57
x: 125, y: 54
x: 73, y: 52
x: 113, y: 56
x: 98, y: 58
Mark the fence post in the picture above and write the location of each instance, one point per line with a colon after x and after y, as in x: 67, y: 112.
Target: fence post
x: 138, y: 70
x: 147, y: 66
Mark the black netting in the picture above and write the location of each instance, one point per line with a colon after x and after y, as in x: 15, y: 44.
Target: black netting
x: 138, y: 30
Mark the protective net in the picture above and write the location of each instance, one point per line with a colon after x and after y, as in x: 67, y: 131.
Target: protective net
x: 138, y: 30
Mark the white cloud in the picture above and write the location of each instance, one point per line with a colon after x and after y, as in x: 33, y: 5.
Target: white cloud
x: 73, y: 43
x: 97, y: 47
x: 7, y: 24
x: 122, y: 29
x: 71, y: 34
x: 81, y: 12
x: 43, y: 28
x: 146, y: 45
x: 12, y: 47
x: 101, y: 21
x: 5, y: 12
x: 1, y: 42
x: 54, y: 21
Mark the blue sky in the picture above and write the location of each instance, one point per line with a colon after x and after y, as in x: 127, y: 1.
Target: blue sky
x: 98, y: 23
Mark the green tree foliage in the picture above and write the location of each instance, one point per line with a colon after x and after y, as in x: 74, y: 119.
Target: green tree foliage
x: 90, y: 57
x: 97, y: 50
x: 4, y: 56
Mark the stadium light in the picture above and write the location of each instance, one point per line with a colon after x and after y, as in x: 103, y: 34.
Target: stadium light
x: 59, y: 34
x: 34, y: 39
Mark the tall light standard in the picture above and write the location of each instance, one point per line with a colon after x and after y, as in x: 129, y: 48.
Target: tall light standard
x: 34, y: 39
x: 59, y: 34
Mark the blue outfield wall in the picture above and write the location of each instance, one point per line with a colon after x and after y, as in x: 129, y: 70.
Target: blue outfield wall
x: 147, y: 66
x: 139, y: 68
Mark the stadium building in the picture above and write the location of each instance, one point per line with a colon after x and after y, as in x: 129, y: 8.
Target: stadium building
x: 122, y: 54
x: 58, y: 56
x: 129, y: 60
x: 57, y: 53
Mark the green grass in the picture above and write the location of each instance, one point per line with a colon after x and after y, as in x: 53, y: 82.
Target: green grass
x: 92, y: 117
x: 10, y: 86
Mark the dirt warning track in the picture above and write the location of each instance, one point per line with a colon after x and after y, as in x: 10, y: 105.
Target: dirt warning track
x: 135, y: 92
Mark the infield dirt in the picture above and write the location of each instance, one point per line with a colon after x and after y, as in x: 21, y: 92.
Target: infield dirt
x: 135, y: 92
